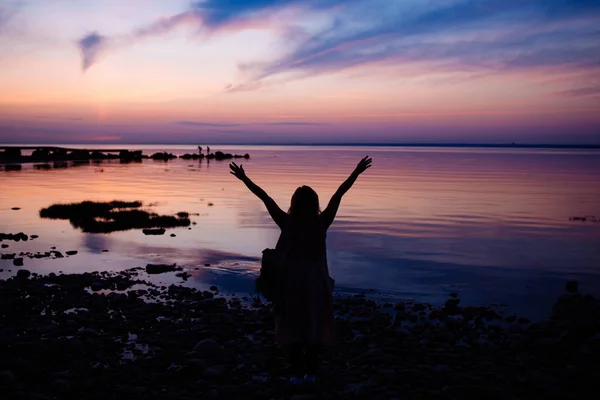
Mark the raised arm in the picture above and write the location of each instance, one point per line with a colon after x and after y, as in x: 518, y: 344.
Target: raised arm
x: 328, y: 215
x: 276, y: 213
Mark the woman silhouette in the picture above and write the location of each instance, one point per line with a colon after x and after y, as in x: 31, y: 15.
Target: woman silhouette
x: 304, y: 311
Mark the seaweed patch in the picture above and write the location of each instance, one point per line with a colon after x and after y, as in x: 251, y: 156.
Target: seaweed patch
x: 107, y: 217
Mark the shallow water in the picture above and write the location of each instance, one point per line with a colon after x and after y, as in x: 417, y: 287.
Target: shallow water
x: 490, y: 224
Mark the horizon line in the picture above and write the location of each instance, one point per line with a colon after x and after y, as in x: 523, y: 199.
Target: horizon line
x: 341, y: 144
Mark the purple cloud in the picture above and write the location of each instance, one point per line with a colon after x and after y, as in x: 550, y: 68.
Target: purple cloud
x: 585, y: 91
x: 202, y: 124
x: 482, y: 36
x: 91, y: 45
x: 207, y: 124
x: 292, y: 123
x: 7, y: 12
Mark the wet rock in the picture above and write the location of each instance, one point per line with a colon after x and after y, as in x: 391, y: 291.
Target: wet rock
x: 303, y: 397
x: 6, y: 377
x: 198, y: 363
x: 18, y: 261
x: 173, y: 235
x: 161, y: 268
x: 214, y: 372
x: 71, y: 252
x: 4, y: 246
x: 183, y: 275
x: 23, y: 274
x: 209, y: 350
x: 571, y: 287
x: 163, y: 156
x: 154, y: 231
x: 113, y: 216
x: 88, y: 333
x: 14, y: 236
x: 16, y: 208
x: 451, y: 305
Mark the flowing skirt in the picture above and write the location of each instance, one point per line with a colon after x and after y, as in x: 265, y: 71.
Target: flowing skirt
x: 305, y: 307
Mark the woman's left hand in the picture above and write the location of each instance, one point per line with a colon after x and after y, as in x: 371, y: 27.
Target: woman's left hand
x: 363, y: 165
x: 237, y: 171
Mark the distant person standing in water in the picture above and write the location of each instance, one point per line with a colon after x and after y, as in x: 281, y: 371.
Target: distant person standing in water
x: 304, y: 305
x: 199, y: 150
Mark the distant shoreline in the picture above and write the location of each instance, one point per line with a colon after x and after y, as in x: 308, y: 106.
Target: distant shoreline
x: 412, y: 145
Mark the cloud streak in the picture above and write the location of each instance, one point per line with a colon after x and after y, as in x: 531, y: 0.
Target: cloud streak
x: 473, y: 36
x: 476, y: 35
x: 207, y: 124
x: 7, y: 12
x: 206, y: 16
x: 585, y: 91
x: 202, y: 124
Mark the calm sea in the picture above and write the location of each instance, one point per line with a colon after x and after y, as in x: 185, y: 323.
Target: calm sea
x: 490, y: 224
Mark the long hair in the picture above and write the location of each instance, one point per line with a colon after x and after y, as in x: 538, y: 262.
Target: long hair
x: 304, y: 204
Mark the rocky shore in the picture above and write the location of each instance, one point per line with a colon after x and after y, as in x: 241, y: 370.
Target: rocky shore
x: 59, y: 154
x: 116, y: 336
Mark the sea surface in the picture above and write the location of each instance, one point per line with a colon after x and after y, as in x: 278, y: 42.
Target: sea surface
x: 490, y: 224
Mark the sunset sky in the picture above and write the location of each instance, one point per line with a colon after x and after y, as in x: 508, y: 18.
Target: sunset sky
x: 300, y: 71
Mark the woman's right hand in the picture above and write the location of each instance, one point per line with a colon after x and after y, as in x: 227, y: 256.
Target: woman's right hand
x: 237, y: 171
x: 363, y: 165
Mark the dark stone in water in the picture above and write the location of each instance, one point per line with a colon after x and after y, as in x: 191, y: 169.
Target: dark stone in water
x: 161, y: 268
x: 71, y: 252
x: 4, y: 246
x: 14, y: 236
x: 451, y: 304
x: 183, y: 275
x: 571, y: 287
x: 16, y: 208
x: 23, y: 273
x: 154, y: 231
x: 18, y: 261
x: 162, y: 156
x: 106, y: 217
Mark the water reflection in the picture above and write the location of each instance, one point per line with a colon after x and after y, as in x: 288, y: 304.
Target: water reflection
x: 494, y: 223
